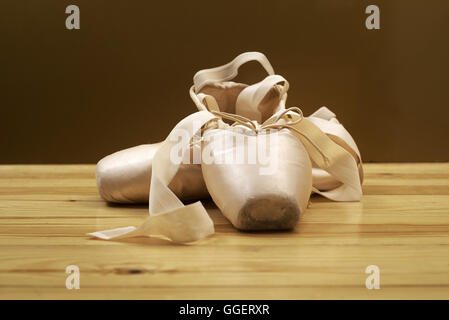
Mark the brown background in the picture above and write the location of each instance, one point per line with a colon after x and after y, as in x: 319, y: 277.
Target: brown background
x: 73, y: 96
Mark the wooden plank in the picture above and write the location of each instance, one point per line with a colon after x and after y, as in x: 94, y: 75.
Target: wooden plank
x: 406, y: 178
x: 231, y: 293
x: 401, y: 225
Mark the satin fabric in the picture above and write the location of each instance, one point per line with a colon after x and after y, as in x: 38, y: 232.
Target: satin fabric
x: 233, y: 186
x: 124, y: 177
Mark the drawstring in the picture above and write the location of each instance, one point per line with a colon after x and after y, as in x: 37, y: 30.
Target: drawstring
x: 237, y: 119
x: 269, y: 124
x: 272, y: 123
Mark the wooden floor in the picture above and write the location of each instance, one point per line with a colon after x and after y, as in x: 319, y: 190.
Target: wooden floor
x: 402, y: 226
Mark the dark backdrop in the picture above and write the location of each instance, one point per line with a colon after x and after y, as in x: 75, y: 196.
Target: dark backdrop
x: 73, y: 96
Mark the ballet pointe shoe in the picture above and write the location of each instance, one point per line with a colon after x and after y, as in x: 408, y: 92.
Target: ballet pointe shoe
x: 255, y: 196
x: 261, y: 100
x: 124, y: 177
x: 251, y: 195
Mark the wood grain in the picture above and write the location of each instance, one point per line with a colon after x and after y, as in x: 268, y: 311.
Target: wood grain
x: 401, y: 225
